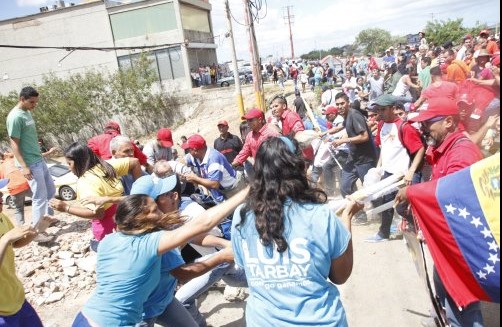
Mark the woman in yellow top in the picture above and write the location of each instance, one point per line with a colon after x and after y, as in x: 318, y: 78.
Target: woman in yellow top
x: 14, y: 309
x: 96, y: 177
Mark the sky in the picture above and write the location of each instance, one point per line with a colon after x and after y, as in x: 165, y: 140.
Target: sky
x: 317, y: 24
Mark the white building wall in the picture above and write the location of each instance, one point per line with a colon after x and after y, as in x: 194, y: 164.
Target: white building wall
x: 82, y: 25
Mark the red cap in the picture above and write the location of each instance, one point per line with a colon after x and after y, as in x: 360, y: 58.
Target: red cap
x: 165, y: 137
x: 331, y: 110
x: 487, y: 32
x: 253, y: 113
x: 196, y: 142
x: 437, y: 107
x: 113, y: 125
x: 222, y: 122
x: 465, y: 98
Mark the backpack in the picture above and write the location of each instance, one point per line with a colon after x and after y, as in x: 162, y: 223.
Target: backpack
x: 400, y: 134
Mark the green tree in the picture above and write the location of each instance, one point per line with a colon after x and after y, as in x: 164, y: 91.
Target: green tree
x: 373, y: 40
x: 439, y: 32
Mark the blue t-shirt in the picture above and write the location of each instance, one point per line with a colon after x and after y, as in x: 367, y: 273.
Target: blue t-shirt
x: 164, y: 293
x: 291, y: 289
x: 127, y: 271
x: 216, y: 167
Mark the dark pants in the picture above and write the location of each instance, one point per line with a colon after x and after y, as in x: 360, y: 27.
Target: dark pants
x: 26, y: 316
x: 351, y: 173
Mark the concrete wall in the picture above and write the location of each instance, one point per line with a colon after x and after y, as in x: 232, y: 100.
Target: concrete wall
x: 82, y: 25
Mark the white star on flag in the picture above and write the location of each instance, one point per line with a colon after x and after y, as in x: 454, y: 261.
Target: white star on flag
x: 486, y: 233
x: 489, y: 269
x: 493, y: 258
x: 493, y: 246
x: 476, y: 221
x: 481, y: 274
x: 463, y: 213
x: 450, y: 208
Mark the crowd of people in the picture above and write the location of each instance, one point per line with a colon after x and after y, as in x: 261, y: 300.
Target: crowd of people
x: 252, y: 209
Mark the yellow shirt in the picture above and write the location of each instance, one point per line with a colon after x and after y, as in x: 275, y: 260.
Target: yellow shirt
x: 11, y: 289
x: 93, y: 183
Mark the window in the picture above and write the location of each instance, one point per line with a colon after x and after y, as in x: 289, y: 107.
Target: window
x: 195, y: 19
x: 167, y: 63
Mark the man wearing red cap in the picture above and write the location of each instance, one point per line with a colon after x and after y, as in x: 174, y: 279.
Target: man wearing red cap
x: 485, y: 43
x: 227, y: 143
x: 260, y: 131
x: 215, y: 172
x: 449, y: 151
x: 161, y: 148
x: 100, y: 144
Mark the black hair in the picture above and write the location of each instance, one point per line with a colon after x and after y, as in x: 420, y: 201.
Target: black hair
x: 427, y: 60
x: 342, y: 95
x: 279, y: 175
x: 28, y: 92
x: 84, y: 159
x: 281, y: 98
x: 435, y: 71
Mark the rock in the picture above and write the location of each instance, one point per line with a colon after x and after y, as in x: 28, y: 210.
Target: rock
x: 54, y: 248
x: 53, y: 230
x: 39, y: 301
x: 54, y: 297
x: 88, y: 263
x: 78, y: 247
x: 40, y: 279
x: 65, y: 255
x: 234, y: 294
x: 67, y: 262
x: 70, y: 271
x: 29, y: 268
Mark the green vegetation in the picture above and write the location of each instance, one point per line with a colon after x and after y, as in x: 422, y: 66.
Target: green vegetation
x: 78, y: 107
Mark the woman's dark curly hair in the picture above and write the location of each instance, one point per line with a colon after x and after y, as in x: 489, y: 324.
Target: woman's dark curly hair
x: 280, y: 173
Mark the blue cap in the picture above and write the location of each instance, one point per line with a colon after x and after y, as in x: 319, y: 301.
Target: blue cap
x: 153, y: 187
x: 4, y: 182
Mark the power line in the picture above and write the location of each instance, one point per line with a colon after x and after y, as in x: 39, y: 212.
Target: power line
x: 71, y: 48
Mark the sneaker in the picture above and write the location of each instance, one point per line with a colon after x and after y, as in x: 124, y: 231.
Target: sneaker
x: 43, y: 238
x: 359, y: 221
x: 375, y: 239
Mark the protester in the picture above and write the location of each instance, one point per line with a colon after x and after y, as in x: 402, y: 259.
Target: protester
x: 15, y: 310
x: 100, y: 144
x: 227, y: 143
x: 121, y: 147
x: 362, y: 152
x: 96, y: 177
x: 216, y: 173
x: 260, y: 131
x: 124, y: 282
x: 22, y: 132
x: 401, y: 152
x: 449, y: 151
x: 161, y: 148
x: 265, y: 239
x: 18, y: 186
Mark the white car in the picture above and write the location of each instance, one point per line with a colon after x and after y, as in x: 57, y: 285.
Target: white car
x: 64, y: 180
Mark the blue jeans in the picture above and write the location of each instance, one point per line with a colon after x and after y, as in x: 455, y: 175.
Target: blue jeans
x: 188, y: 293
x: 331, y: 168
x: 81, y: 321
x: 351, y: 173
x: 19, y: 200
x: 470, y: 316
x: 175, y: 315
x: 43, y: 189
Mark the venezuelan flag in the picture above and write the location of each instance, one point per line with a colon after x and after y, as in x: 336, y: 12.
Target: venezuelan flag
x: 459, y: 215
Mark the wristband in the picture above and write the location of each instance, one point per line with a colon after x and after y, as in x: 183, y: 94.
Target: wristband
x: 68, y: 208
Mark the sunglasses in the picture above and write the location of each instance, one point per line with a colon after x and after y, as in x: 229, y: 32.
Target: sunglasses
x: 435, y: 119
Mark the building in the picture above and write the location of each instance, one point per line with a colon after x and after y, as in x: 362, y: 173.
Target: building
x: 179, y: 33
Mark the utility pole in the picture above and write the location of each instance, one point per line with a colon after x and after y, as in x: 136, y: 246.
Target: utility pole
x: 230, y: 33
x: 290, y: 20
x: 255, y: 58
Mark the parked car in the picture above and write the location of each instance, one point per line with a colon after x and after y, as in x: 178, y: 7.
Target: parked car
x: 246, y: 77
x: 64, y: 180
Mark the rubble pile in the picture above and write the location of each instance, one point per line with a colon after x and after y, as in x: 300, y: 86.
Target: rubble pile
x: 61, y: 268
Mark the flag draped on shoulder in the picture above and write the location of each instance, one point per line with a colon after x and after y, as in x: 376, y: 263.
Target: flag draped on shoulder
x: 459, y: 215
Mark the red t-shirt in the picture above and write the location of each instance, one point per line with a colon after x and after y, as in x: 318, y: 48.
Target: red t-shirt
x: 100, y: 145
x: 445, y: 89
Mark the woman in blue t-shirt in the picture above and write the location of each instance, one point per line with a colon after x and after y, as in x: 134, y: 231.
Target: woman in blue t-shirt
x: 129, y: 261
x: 289, y: 243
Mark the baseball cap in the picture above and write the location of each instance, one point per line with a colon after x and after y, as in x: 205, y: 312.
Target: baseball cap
x: 253, y: 113
x: 4, y: 182
x: 484, y: 53
x: 196, y: 142
x: 331, y: 110
x: 165, y: 136
x: 437, y: 107
x: 385, y: 100
x: 153, y: 187
x: 113, y: 125
x: 222, y: 122
x: 466, y: 98
x: 484, y: 32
